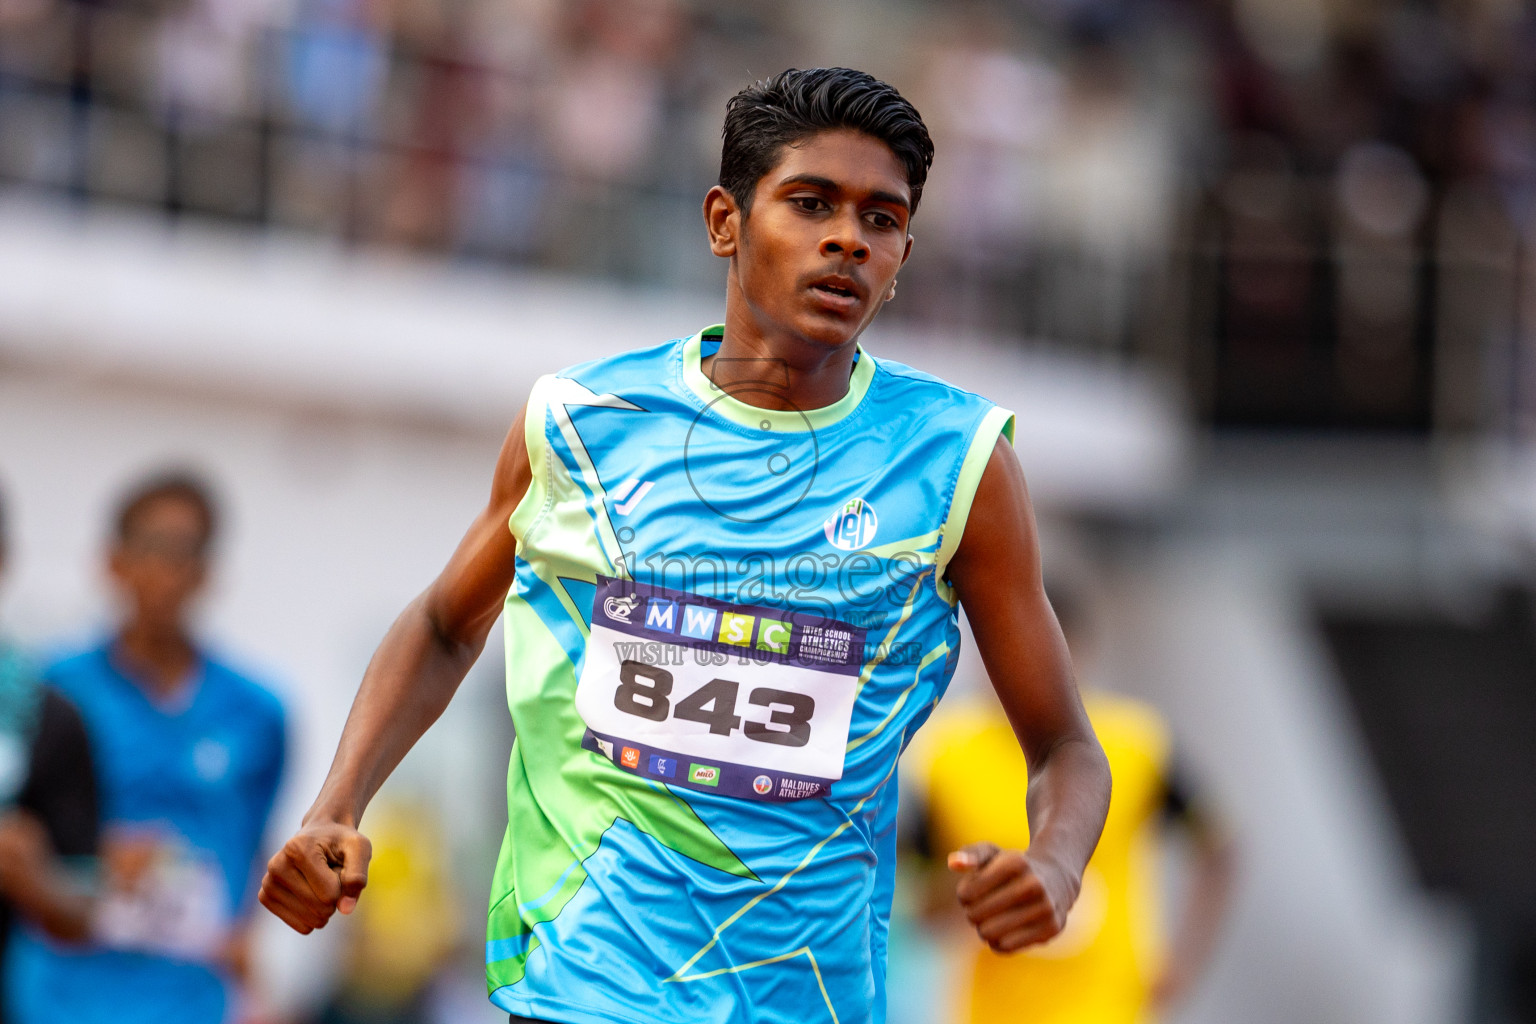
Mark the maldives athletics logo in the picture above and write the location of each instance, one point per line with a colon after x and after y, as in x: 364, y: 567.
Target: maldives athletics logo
x: 853, y: 526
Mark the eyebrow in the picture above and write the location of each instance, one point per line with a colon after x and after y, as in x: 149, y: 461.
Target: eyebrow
x: 828, y: 185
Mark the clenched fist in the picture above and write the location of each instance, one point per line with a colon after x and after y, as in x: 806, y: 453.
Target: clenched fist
x: 321, y: 870
x: 1012, y: 901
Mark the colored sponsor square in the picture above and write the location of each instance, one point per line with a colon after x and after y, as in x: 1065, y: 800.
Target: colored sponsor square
x: 773, y: 635
x: 629, y: 757
x: 699, y: 622
x: 666, y: 767
x: 660, y: 615
x: 704, y: 774
x: 736, y: 629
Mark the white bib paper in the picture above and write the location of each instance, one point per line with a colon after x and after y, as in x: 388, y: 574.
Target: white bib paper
x: 736, y: 699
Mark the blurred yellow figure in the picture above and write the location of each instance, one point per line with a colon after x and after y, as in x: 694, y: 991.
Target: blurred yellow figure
x: 1111, y: 964
x: 407, y: 928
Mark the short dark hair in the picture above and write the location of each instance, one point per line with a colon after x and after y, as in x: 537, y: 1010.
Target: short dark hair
x: 767, y: 116
x: 174, y: 485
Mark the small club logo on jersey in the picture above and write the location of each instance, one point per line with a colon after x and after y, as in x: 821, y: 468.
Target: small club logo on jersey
x: 211, y: 759
x: 704, y: 774
x: 853, y: 526
x: 606, y: 747
x: 629, y: 757
x: 633, y: 489
x: 620, y: 608
x: 762, y: 785
x: 666, y: 767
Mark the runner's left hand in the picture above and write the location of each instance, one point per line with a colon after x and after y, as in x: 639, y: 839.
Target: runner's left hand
x: 1011, y: 900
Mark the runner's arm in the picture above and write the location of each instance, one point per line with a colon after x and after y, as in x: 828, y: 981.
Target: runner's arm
x: 55, y: 817
x: 413, y: 675
x: 1017, y: 898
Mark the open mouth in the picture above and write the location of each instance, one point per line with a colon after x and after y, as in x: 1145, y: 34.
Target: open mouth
x: 832, y: 289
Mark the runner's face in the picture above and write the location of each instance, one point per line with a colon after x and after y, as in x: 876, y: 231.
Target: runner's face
x: 827, y: 232
x: 161, y: 564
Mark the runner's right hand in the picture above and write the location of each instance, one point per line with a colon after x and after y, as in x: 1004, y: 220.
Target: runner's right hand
x: 321, y: 870
x: 24, y: 852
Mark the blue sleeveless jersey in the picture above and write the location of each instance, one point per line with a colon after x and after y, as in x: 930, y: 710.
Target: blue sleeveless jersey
x: 726, y: 624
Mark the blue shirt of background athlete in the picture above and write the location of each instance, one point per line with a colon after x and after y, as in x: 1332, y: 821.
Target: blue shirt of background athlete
x: 202, y: 772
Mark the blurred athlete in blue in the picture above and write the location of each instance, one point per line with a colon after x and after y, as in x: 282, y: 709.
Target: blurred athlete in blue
x: 731, y: 567
x: 189, y: 755
x: 48, y: 816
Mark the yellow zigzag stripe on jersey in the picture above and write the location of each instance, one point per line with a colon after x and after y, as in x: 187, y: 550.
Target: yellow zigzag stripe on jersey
x: 529, y: 867
x: 911, y: 546
x: 677, y: 975
x: 928, y: 659
x: 884, y: 648
x: 803, y: 950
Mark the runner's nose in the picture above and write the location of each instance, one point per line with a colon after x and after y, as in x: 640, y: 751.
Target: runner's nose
x: 845, y: 239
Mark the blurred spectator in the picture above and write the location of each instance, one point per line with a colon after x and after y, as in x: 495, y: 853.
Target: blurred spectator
x: 335, y: 70
x: 603, y: 115
x: 203, y: 71
x: 1113, y: 963
x: 506, y: 174
x: 190, y: 753
x: 47, y: 804
x: 995, y: 109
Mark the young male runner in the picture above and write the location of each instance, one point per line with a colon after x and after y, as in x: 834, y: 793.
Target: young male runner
x: 730, y: 567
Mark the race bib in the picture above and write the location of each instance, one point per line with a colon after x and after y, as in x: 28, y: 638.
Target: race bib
x: 176, y: 907
x: 738, y: 700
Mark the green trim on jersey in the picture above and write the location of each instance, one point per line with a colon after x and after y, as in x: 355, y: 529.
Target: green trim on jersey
x: 756, y: 418
x: 998, y: 422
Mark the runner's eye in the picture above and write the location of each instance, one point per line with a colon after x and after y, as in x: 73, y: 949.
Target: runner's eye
x: 810, y: 204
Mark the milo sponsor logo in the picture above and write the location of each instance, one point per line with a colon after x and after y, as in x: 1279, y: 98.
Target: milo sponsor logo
x: 704, y: 774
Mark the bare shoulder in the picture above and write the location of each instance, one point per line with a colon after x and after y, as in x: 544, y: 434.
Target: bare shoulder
x: 999, y: 538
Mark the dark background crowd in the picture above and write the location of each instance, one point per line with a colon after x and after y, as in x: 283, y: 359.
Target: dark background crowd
x: 1318, y: 213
